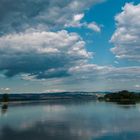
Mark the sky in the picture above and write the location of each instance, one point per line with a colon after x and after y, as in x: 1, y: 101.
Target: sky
x: 69, y: 45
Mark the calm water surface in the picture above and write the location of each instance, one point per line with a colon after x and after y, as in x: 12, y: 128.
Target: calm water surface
x: 67, y: 120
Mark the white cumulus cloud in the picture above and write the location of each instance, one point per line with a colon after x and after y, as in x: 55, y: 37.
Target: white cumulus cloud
x: 126, y: 38
x: 78, y: 17
x: 94, y: 26
x: 44, y: 54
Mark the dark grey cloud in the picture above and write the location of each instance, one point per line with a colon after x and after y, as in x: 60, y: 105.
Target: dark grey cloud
x: 35, y: 64
x: 18, y: 15
x: 53, y: 73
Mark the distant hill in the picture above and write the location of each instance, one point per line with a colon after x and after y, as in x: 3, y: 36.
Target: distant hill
x: 49, y: 96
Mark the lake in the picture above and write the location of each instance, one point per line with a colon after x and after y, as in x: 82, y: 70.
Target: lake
x: 70, y: 120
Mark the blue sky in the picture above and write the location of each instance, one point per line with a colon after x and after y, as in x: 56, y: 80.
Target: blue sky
x: 69, y: 45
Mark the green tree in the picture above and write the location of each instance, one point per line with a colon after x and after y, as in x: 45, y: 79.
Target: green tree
x: 5, y: 98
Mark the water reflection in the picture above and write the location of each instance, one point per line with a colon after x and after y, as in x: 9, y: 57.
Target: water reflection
x: 60, y: 120
x: 4, y: 108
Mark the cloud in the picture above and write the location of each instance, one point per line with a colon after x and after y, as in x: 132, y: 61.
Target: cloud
x: 93, y: 71
x: 54, y: 91
x: 17, y: 16
x: 93, y: 26
x: 34, y: 45
x: 41, y: 54
x: 78, y: 17
x: 137, y: 86
x: 29, y: 47
x: 89, y: 77
x: 93, y: 77
x: 116, y: 62
x: 75, y: 22
x: 126, y: 37
x: 5, y: 89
